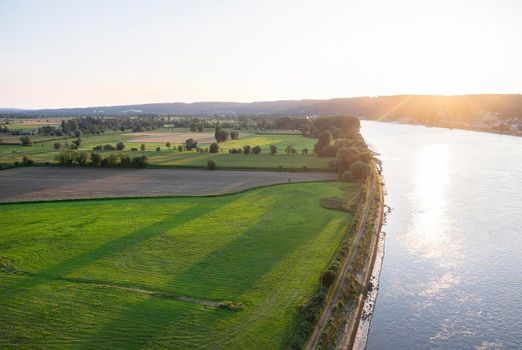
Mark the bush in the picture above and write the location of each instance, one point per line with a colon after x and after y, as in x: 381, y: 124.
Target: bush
x: 220, y: 134
x: 290, y: 150
x: 246, y: 149
x: 95, y: 159
x: 211, y: 164
x: 142, y: 147
x: 305, y: 151
x: 167, y: 145
x: 57, y: 145
x: 360, y: 170
x: 180, y: 148
x: 273, y: 150
x: 81, y: 158
x: 256, y: 150
x: 77, y: 133
x: 214, y: 148
x: 140, y: 162
x: 65, y: 157
x: 191, y: 144
x: 120, y: 146
x: 26, y: 141
x: 234, y: 134
x: 27, y: 161
x: 77, y: 142
x: 97, y: 148
x: 109, y: 148
x: 158, y: 149
x: 235, y: 150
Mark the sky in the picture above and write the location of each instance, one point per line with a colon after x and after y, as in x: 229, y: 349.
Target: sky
x: 93, y: 53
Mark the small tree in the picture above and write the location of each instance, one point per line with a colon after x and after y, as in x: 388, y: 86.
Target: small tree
x: 57, y: 145
x: 191, y: 144
x: 77, y: 133
x: 246, y: 149
x: 290, y: 150
x: 273, y: 150
x: 120, y: 146
x: 211, y: 164
x: 158, y: 149
x: 77, y: 142
x: 214, y: 148
x: 26, y: 141
x: 95, y: 159
x: 180, y: 148
x: 142, y: 147
x: 234, y: 134
x: 167, y: 145
x: 256, y: 150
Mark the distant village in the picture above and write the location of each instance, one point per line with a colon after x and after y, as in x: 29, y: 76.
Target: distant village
x: 483, y: 121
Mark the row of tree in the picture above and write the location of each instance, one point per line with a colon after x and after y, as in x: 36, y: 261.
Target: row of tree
x: 70, y: 158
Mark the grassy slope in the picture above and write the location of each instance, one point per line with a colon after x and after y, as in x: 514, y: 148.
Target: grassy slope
x: 264, y: 247
x: 44, y: 152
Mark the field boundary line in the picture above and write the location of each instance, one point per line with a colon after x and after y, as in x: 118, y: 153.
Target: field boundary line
x: 164, y: 196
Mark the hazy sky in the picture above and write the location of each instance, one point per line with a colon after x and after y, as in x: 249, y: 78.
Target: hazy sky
x: 87, y: 53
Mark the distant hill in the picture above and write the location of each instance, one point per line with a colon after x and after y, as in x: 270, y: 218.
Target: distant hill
x: 421, y: 108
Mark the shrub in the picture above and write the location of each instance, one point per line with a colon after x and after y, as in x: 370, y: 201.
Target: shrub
x: 97, y: 148
x: 235, y: 150
x: 142, y: 147
x: 360, y: 170
x: 27, y: 161
x: 220, y: 134
x: 120, y: 146
x: 180, y: 148
x: 77, y: 133
x: 77, y: 142
x: 214, y: 148
x: 26, y: 141
x: 255, y: 150
x: 81, y: 158
x: 290, y: 150
x: 57, y: 145
x: 273, y: 150
x: 167, y: 145
x: 66, y: 157
x: 191, y: 144
x: 234, y: 134
x: 140, y: 162
x: 109, y: 148
x: 305, y: 151
x: 246, y: 149
x: 211, y: 164
x: 95, y: 159
x: 158, y: 149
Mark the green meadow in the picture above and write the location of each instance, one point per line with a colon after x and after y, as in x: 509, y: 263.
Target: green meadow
x: 42, y: 151
x: 129, y: 273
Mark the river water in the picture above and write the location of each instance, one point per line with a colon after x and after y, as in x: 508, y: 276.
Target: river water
x: 452, y: 271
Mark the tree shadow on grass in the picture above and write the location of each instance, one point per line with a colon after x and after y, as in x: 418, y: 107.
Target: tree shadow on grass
x: 117, y: 245
x: 225, y: 274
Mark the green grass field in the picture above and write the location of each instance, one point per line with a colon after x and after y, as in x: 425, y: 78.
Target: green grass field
x: 148, y: 272
x: 42, y: 151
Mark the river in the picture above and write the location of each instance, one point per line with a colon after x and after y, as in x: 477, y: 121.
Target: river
x: 452, y: 270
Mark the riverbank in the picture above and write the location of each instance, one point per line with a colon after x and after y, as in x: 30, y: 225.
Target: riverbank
x: 356, y: 331
x: 451, y: 127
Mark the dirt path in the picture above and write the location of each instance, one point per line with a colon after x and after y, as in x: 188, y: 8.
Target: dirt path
x: 337, y: 288
x: 52, y: 183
